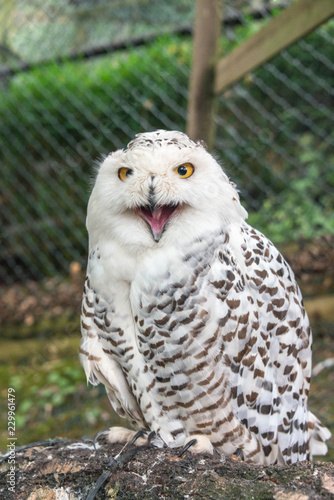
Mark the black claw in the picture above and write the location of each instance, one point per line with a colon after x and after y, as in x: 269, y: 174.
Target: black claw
x: 151, y: 436
x: 238, y: 452
x: 187, y: 446
x: 139, y: 434
x: 98, y: 435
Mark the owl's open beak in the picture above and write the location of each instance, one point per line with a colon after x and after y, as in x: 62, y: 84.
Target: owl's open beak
x: 157, y: 218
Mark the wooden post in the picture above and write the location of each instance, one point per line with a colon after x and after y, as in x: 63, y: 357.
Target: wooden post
x: 200, y: 124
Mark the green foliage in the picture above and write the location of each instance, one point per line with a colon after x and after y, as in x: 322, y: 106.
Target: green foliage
x: 45, y: 392
x: 304, y: 70
x: 52, y: 397
x: 61, y: 103
x: 304, y: 209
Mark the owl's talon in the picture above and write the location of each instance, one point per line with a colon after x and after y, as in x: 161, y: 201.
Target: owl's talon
x: 142, y: 434
x: 150, y: 437
x: 139, y: 434
x: 98, y: 435
x: 187, y: 446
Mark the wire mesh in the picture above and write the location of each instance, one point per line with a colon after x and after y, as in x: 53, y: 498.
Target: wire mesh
x: 61, y: 109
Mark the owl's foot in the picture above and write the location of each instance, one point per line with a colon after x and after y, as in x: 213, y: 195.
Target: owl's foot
x: 124, y: 436
x: 121, y: 435
x: 198, y: 444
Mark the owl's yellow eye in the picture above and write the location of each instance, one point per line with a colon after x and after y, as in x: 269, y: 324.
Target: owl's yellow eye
x: 124, y: 172
x: 185, y: 170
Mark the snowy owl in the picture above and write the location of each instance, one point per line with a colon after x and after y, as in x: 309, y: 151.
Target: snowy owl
x: 191, y: 318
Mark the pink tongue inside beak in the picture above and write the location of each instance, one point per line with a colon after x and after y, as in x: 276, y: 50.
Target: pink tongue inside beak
x: 158, y: 219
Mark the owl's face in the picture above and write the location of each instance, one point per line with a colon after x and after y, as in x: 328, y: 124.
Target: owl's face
x: 161, y: 187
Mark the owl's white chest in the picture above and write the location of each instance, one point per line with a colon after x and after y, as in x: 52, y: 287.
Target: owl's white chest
x: 169, y: 314
x: 143, y: 292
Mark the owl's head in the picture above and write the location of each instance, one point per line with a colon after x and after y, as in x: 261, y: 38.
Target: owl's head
x: 161, y: 187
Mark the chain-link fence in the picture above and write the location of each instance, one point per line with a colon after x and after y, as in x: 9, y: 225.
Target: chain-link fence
x: 80, y: 79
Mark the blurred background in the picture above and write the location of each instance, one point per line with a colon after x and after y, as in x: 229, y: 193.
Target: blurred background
x: 79, y: 79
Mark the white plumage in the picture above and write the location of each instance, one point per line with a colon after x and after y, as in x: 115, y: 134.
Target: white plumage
x: 192, y: 319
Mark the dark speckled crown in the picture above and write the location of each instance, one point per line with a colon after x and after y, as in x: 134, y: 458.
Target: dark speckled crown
x: 161, y: 138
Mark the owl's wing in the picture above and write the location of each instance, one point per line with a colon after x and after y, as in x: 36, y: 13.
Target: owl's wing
x: 98, y: 364
x: 275, y: 361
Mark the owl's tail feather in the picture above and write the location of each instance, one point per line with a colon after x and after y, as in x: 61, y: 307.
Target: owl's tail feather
x: 318, y: 434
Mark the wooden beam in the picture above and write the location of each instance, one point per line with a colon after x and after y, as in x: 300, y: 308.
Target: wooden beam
x: 294, y: 23
x: 200, y: 122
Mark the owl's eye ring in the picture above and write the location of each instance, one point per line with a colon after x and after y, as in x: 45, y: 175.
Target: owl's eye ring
x: 124, y: 172
x: 185, y: 170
